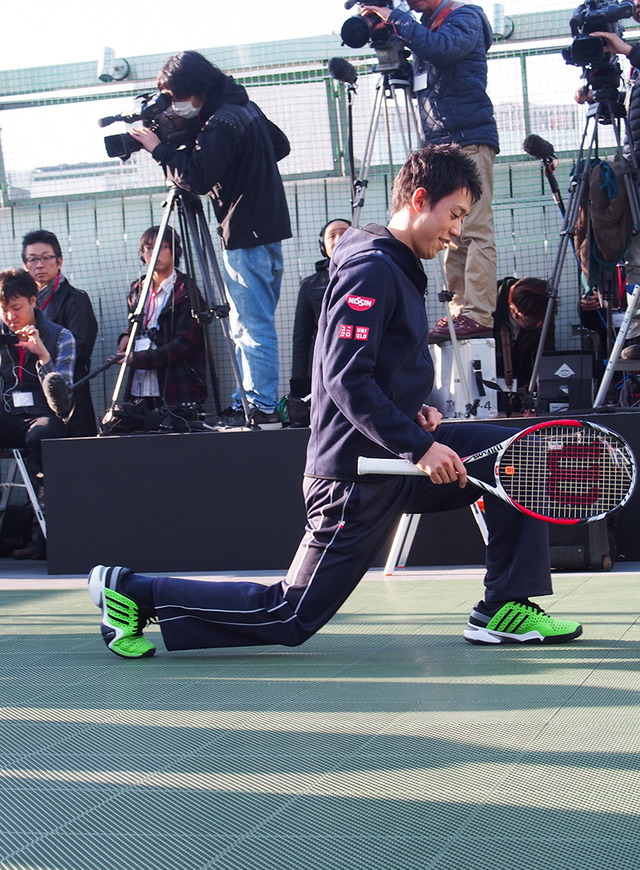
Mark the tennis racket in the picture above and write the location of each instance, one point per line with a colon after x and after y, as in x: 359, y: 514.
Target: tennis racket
x: 561, y: 471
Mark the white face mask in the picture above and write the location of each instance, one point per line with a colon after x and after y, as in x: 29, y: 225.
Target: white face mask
x: 185, y: 109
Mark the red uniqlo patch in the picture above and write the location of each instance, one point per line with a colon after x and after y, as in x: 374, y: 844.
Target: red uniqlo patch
x: 360, y: 303
x: 362, y: 333
x: 346, y: 331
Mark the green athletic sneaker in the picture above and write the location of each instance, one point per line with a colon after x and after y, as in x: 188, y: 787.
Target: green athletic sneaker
x: 518, y: 622
x: 122, y: 619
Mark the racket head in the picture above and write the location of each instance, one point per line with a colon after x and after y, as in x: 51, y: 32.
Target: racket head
x: 566, y: 471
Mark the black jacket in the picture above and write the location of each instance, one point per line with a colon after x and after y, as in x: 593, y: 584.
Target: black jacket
x: 71, y: 308
x: 633, y: 108
x: 19, y: 372
x: 179, y: 355
x: 305, y: 325
x: 372, y: 370
x: 235, y: 160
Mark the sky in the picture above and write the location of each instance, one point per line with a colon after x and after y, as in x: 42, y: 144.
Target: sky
x: 78, y: 30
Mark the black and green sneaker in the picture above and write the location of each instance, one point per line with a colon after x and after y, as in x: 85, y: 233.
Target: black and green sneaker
x: 518, y: 622
x: 122, y: 619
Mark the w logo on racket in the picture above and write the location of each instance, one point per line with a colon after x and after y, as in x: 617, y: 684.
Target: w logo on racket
x: 574, y: 474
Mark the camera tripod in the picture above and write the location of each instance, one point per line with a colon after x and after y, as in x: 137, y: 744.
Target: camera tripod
x: 607, y: 109
x: 211, y: 305
x: 392, y: 78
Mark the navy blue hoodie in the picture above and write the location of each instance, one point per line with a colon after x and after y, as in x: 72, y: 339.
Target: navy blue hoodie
x: 372, y: 370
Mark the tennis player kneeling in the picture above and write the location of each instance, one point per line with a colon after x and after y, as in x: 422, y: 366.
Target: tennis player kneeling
x: 372, y: 376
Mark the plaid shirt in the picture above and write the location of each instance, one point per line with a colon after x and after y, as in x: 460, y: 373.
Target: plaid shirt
x: 63, y: 360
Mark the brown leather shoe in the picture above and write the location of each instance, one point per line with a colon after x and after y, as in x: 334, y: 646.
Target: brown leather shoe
x: 440, y: 332
x: 465, y: 327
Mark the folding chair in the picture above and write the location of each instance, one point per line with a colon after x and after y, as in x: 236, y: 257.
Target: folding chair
x: 406, y: 532
x: 18, y: 468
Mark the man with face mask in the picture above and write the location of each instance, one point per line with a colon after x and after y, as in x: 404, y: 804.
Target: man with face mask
x: 234, y: 160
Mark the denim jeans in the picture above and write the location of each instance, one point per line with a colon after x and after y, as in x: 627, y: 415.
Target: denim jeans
x: 253, y: 277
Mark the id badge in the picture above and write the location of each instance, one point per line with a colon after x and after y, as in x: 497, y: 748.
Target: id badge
x: 420, y: 75
x: 143, y: 343
x: 22, y: 400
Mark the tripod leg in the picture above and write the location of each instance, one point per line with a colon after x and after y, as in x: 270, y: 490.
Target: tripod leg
x: 566, y: 233
x: 617, y: 348
x: 362, y: 182
x: 214, y: 286
x: 126, y: 371
x: 200, y: 314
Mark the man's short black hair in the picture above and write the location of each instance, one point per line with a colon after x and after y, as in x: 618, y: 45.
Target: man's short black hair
x: 441, y: 170
x: 41, y: 237
x: 190, y: 74
x: 170, y: 237
x: 14, y: 283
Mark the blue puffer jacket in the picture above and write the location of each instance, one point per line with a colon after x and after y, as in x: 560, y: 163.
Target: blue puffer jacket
x: 454, y: 107
x: 633, y: 107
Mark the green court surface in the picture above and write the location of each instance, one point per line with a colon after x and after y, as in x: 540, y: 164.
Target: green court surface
x: 386, y: 741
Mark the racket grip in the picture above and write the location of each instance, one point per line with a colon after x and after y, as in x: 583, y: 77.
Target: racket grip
x: 371, y: 465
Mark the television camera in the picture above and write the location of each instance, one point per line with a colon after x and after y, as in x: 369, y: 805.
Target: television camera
x: 367, y: 27
x: 591, y: 17
x: 154, y: 110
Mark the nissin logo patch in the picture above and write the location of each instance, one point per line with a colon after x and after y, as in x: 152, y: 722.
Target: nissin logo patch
x: 360, y: 303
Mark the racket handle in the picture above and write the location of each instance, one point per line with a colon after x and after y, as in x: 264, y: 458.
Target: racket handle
x: 370, y: 465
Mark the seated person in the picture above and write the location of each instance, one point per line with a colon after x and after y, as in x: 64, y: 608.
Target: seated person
x: 69, y: 307
x: 41, y: 347
x: 518, y: 318
x: 168, y: 358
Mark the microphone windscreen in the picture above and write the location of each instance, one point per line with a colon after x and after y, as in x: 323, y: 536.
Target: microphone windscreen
x: 105, y: 122
x: 538, y: 147
x: 350, y: 3
x: 341, y: 70
x: 56, y: 392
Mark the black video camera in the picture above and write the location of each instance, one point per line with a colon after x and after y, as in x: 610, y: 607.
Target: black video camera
x: 155, y: 112
x: 591, y: 17
x: 368, y: 27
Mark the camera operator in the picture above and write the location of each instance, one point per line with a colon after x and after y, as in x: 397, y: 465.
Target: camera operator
x: 234, y: 160
x: 616, y: 44
x: 450, y: 45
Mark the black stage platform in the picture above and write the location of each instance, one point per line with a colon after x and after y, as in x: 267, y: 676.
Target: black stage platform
x: 225, y: 501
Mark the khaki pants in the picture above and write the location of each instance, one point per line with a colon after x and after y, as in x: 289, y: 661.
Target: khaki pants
x: 470, y: 263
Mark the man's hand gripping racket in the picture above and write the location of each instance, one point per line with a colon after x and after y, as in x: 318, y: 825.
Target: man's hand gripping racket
x: 562, y: 471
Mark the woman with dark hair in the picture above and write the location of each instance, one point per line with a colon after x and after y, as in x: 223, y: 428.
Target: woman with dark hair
x: 168, y: 357
x: 518, y: 319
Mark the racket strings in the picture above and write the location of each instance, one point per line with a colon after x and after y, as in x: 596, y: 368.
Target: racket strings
x: 566, y: 473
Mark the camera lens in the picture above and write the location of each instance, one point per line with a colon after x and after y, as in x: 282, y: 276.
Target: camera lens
x: 356, y: 30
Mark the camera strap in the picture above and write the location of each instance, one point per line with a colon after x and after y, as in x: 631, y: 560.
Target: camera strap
x: 443, y: 13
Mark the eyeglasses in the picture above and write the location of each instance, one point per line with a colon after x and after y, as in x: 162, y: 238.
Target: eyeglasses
x: 44, y: 259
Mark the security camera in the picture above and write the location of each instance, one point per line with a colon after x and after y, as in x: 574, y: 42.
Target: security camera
x: 112, y: 68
